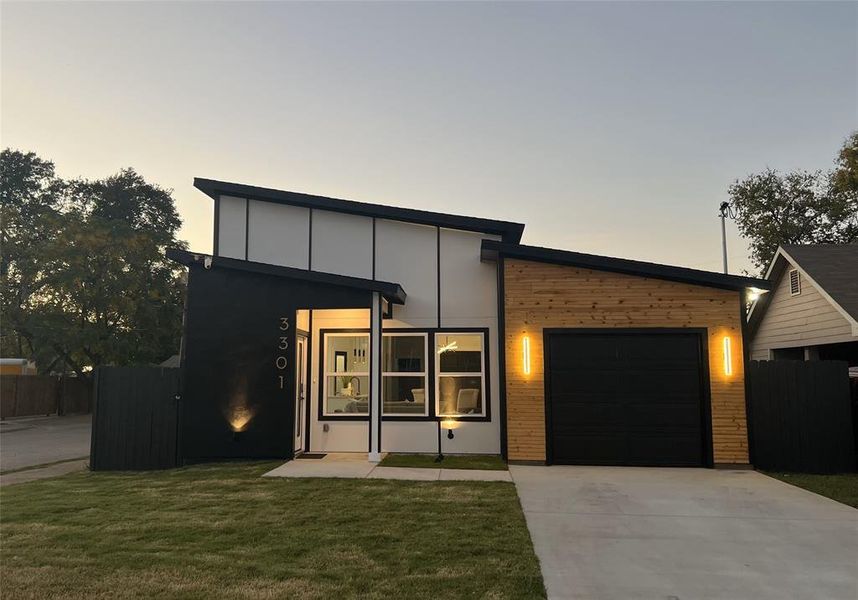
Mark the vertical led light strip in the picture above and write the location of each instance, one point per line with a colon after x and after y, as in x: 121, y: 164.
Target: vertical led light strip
x: 526, y: 347
x: 728, y: 357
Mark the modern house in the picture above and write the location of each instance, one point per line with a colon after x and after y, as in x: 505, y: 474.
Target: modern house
x: 325, y: 325
x: 812, y: 311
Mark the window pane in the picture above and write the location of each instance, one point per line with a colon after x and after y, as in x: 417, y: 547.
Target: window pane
x: 403, y: 354
x: 347, y: 353
x: 459, y: 352
x: 347, y: 395
x: 460, y: 395
x: 404, y: 395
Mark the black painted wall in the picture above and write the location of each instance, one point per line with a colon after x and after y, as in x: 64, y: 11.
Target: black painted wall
x: 232, y: 346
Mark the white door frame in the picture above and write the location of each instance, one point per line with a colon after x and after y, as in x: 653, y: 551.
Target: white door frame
x: 301, y: 392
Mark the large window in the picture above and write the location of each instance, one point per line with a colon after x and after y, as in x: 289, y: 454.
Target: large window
x: 346, y: 374
x: 459, y: 374
x: 404, y: 373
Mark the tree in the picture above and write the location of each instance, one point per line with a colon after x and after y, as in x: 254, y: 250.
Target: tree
x: 87, y: 281
x: 29, y: 219
x: 799, y: 207
x: 845, y: 179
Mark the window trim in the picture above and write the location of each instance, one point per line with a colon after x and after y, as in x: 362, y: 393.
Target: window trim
x: 432, y: 417
x: 484, y: 413
x: 323, y: 388
x: 425, y: 374
x: 797, y: 282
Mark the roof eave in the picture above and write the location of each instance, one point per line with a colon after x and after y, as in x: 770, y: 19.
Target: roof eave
x: 509, y: 231
x: 392, y: 292
x: 491, y: 250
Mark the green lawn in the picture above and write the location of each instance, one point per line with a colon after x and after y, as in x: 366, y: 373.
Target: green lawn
x: 470, y: 461
x: 222, y: 531
x: 842, y: 487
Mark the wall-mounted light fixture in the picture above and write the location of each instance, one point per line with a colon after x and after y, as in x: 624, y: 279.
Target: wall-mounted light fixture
x: 754, y: 294
x: 525, y: 345
x: 728, y: 356
x: 449, y: 425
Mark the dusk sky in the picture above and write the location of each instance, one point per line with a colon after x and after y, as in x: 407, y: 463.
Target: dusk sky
x: 606, y: 128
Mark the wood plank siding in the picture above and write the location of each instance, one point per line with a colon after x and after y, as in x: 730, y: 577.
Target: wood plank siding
x: 541, y: 295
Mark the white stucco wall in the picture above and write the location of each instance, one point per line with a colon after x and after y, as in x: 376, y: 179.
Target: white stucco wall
x: 406, y: 253
x: 231, y: 227
x: 342, y: 244
x: 279, y: 234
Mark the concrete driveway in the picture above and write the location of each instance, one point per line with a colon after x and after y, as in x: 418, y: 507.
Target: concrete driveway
x: 40, y: 440
x: 616, y: 532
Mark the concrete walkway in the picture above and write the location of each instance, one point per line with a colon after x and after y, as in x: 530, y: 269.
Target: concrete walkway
x: 625, y: 533
x: 356, y: 466
x: 46, y: 472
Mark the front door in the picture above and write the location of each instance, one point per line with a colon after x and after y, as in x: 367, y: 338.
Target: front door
x: 300, y: 394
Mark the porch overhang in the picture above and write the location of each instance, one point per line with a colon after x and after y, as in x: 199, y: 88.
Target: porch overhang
x: 391, y: 292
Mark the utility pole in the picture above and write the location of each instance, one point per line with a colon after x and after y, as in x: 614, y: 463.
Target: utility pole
x: 724, y: 212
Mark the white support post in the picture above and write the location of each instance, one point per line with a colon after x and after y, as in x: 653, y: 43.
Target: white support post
x: 375, y: 315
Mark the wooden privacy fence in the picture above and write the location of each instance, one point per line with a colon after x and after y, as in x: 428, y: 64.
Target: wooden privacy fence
x: 801, y: 416
x: 135, y: 419
x: 32, y: 395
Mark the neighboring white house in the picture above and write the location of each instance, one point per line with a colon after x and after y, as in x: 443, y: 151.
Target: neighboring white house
x: 812, y: 311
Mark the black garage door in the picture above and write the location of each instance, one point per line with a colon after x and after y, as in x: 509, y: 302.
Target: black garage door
x: 625, y: 398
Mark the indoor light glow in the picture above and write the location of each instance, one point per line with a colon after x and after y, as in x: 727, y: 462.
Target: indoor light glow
x: 526, y: 347
x: 454, y: 345
x: 728, y: 357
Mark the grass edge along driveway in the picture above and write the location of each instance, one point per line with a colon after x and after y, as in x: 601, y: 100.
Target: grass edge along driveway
x: 842, y: 487
x: 224, y: 531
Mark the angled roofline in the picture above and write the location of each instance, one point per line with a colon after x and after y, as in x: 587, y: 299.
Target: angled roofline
x: 509, y: 231
x: 755, y: 315
x: 491, y: 250
x: 392, y: 292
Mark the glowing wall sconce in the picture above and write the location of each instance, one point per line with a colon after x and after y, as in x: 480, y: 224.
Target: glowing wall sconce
x: 449, y: 425
x: 525, y: 343
x: 728, y: 357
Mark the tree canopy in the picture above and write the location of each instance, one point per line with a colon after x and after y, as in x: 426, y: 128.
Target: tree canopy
x: 799, y: 207
x: 84, y: 278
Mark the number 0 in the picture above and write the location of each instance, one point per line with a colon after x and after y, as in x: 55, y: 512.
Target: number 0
x: 281, y: 362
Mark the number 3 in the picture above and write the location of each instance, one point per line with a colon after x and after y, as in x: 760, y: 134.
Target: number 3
x: 284, y: 323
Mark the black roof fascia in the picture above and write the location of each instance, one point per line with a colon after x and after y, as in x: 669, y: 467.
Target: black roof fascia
x: 509, y: 231
x: 491, y: 249
x: 392, y: 292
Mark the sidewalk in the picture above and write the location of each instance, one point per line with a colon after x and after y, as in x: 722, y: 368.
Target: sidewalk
x: 356, y: 466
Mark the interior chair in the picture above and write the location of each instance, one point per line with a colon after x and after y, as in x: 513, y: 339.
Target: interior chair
x: 467, y: 401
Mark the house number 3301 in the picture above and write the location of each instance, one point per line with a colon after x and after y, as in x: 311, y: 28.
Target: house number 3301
x: 281, y: 362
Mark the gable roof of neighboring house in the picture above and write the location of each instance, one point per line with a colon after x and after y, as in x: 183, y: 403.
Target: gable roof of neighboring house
x: 831, y: 268
x: 491, y: 250
x: 509, y: 231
